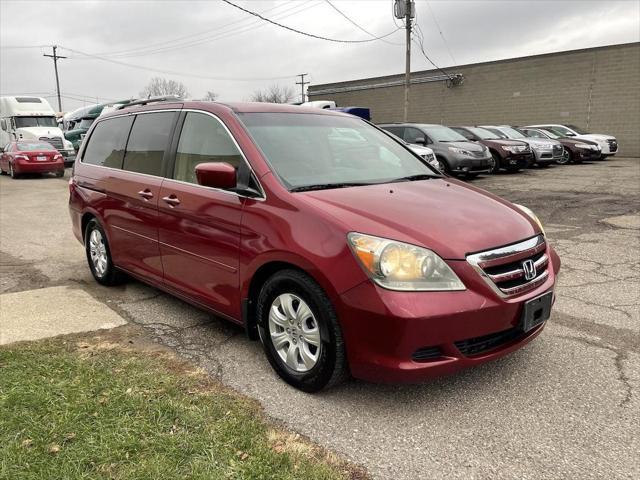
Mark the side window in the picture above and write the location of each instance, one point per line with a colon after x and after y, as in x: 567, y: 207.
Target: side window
x: 148, y: 141
x: 397, y: 131
x: 413, y: 134
x: 533, y: 133
x: 106, y: 144
x: 203, y: 139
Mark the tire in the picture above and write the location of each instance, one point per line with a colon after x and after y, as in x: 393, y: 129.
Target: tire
x: 495, y: 166
x: 12, y: 172
x: 60, y: 174
x: 99, y: 256
x: 443, y: 166
x: 293, y: 314
x: 566, y: 157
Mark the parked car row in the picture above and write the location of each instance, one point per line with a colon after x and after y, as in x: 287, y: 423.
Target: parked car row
x: 472, y: 150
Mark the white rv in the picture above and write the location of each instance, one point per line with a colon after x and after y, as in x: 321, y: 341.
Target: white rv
x: 32, y: 118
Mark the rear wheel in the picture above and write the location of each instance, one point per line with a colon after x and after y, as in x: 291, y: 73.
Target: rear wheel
x: 60, y: 173
x: 300, y: 332
x: 99, y: 255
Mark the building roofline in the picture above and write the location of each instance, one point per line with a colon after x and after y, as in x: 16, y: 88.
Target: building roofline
x: 394, y: 76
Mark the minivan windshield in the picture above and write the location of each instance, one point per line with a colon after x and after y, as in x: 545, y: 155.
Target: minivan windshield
x: 23, y: 122
x: 439, y: 133
x: 315, y: 151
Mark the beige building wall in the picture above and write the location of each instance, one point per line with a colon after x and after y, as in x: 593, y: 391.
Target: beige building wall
x: 597, y: 89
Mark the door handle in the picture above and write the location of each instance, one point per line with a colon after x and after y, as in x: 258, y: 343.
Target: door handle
x: 172, y: 200
x: 146, y: 194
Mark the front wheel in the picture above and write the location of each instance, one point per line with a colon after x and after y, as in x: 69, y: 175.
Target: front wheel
x: 300, y: 332
x: 99, y: 255
x: 566, y: 157
x: 494, y: 163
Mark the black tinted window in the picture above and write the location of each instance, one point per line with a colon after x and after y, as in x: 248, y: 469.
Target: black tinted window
x: 411, y: 135
x: 397, y: 131
x: 147, y: 143
x: 203, y: 139
x: 106, y: 143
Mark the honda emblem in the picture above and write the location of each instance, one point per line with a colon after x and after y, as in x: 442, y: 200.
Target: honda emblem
x: 529, y: 269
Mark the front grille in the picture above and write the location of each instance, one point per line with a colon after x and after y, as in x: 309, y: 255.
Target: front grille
x: 514, y: 269
x: 429, y: 157
x: 481, y: 154
x: 425, y: 354
x: 613, y: 145
x: 56, y: 142
x: 479, y: 345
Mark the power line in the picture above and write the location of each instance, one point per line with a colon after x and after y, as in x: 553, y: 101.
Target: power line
x: 420, y: 44
x: 444, y: 40
x: 219, y: 34
x: 319, y: 37
x: 358, y: 26
x: 170, y: 72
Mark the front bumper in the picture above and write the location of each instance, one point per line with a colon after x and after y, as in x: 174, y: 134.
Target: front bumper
x: 26, y: 166
x: 385, y: 329
x: 587, y: 154
x: 69, y: 157
x: 517, y: 161
x: 470, y: 165
x: 546, y: 156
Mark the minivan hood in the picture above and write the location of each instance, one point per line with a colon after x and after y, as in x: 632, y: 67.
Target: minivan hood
x: 471, y: 146
x: 445, y: 215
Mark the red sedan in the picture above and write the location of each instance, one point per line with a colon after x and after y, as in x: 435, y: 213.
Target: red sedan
x: 31, y: 157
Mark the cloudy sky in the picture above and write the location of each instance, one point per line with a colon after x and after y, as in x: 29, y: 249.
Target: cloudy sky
x: 115, y: 47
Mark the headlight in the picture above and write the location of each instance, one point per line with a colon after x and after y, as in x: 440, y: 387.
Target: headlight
x: 461, y: 151
x: 581, y: 145
x: 67, y: 144
x: 532, y: 216
x: 513, y: 148
x: 401, y: 266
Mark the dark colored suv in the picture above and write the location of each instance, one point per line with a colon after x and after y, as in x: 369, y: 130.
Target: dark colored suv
x: 510, y: 155
x: 328, y: 240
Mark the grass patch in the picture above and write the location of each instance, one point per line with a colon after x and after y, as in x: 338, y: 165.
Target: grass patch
x: 82, y: 410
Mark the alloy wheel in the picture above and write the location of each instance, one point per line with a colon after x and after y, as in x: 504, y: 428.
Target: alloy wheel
x: 566, y: 157
x: 294, y: 332
x: 98, y: 253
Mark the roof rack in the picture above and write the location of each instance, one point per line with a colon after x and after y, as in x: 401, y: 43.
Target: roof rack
x: 145, y: 101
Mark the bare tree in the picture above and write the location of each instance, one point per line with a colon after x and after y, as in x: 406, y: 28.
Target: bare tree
x: 158, y: 86
x: 273, y: 94
x: 210, y: 96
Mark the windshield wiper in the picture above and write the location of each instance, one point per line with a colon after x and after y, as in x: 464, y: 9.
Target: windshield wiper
x: 324, y: 186
x: 413, y: 178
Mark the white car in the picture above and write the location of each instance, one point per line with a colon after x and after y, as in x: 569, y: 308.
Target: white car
x: 608, y: 143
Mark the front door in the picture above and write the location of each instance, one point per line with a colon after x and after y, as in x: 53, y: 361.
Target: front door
x: 199, y: 227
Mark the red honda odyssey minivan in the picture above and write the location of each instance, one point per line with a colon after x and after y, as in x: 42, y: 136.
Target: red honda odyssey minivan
x: 332, y: 243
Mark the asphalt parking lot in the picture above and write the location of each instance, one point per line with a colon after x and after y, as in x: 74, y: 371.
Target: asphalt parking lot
x: 565, y: 406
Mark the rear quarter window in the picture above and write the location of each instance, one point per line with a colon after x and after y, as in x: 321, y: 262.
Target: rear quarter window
x: 106, y: 144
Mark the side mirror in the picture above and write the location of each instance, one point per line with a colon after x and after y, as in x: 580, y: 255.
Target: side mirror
x: 421, y: 141
x: 216, y: 175
x: 569, y: 134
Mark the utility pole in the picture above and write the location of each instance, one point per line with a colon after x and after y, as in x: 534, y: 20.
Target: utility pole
x: 302, y: 83
x: 55, y: 66
x: 407, y: 71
